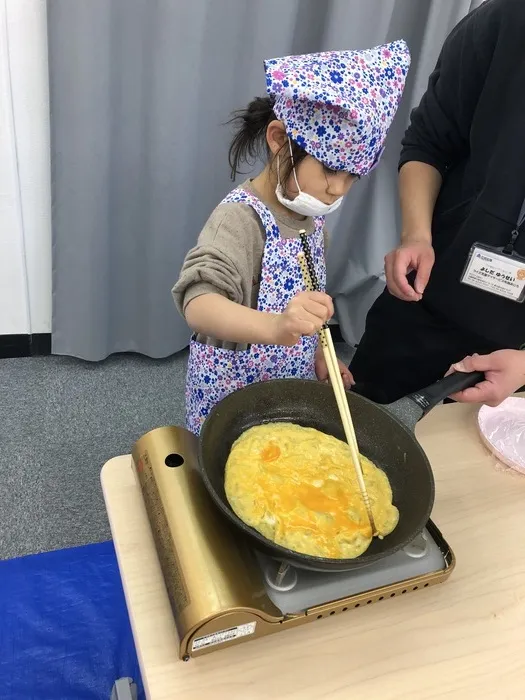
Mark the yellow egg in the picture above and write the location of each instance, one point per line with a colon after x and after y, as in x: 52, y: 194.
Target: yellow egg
x: 297, y: 487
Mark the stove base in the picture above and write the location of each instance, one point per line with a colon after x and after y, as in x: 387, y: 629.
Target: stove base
x: 310, y: 589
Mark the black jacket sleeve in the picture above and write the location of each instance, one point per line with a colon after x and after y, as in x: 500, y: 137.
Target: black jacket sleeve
x: 439, y: 128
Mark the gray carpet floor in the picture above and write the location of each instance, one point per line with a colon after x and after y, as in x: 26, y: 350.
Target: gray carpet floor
x: 61, y: 419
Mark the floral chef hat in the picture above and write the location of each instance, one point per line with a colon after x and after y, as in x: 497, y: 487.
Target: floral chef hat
x: 339, y: 105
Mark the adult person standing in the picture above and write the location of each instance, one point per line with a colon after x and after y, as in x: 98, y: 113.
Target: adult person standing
x: 456, y: 283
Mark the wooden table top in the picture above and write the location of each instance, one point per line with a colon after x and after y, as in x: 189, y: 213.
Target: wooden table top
x: 462, y: 639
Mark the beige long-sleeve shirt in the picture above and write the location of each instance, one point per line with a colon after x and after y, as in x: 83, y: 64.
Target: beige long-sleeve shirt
x: 227, y: 259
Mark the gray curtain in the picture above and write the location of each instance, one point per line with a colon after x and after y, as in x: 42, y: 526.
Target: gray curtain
x: 139, y: 91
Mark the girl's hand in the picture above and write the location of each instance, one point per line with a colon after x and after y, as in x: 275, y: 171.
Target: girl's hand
x: 504, y: 374
x: 321, y: 371
x: 306, y: 314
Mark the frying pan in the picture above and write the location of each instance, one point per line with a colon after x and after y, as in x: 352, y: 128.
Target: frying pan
x: 385, y: 434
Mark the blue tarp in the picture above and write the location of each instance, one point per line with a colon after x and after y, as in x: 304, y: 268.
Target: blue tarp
x: 64, y: 627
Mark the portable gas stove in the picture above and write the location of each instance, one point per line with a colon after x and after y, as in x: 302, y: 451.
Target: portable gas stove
x: 221, y: 591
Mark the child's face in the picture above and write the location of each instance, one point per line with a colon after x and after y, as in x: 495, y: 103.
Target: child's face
x: 319, y: 181
x: 313, y: 177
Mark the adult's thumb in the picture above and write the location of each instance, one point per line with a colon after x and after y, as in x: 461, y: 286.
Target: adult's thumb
x: 424, y: 269
x: 484, y: 363
x: 475, y: 363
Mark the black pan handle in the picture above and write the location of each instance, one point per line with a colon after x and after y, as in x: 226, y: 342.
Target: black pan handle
x: 427, y: 398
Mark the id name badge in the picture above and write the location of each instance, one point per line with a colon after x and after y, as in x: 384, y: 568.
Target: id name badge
x: 493, y: 271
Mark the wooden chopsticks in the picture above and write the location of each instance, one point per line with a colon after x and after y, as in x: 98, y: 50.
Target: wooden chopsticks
x: 325, y: 336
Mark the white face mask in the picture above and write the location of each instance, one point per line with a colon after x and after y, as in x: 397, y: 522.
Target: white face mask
x: 304, y: 204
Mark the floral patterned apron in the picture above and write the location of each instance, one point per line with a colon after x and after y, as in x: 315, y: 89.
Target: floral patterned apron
x: 213, y: 373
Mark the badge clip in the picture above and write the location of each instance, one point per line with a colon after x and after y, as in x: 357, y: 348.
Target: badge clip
x: 509, y: 248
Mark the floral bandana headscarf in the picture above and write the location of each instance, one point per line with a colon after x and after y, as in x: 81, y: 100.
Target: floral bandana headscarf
x: 339, y: 105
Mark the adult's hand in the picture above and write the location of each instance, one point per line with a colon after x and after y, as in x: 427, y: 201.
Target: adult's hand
x: 411, y: 255
x: 504, y: 374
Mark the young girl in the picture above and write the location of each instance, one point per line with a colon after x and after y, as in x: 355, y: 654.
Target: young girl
x: 322, y: 126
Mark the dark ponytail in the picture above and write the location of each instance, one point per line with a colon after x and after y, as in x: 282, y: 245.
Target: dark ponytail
x: 249, y: 142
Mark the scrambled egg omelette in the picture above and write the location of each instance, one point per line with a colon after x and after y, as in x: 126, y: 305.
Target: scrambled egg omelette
x: 298, y: 488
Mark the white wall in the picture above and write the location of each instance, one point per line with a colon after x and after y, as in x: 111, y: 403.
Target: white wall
x: 25, y: 200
